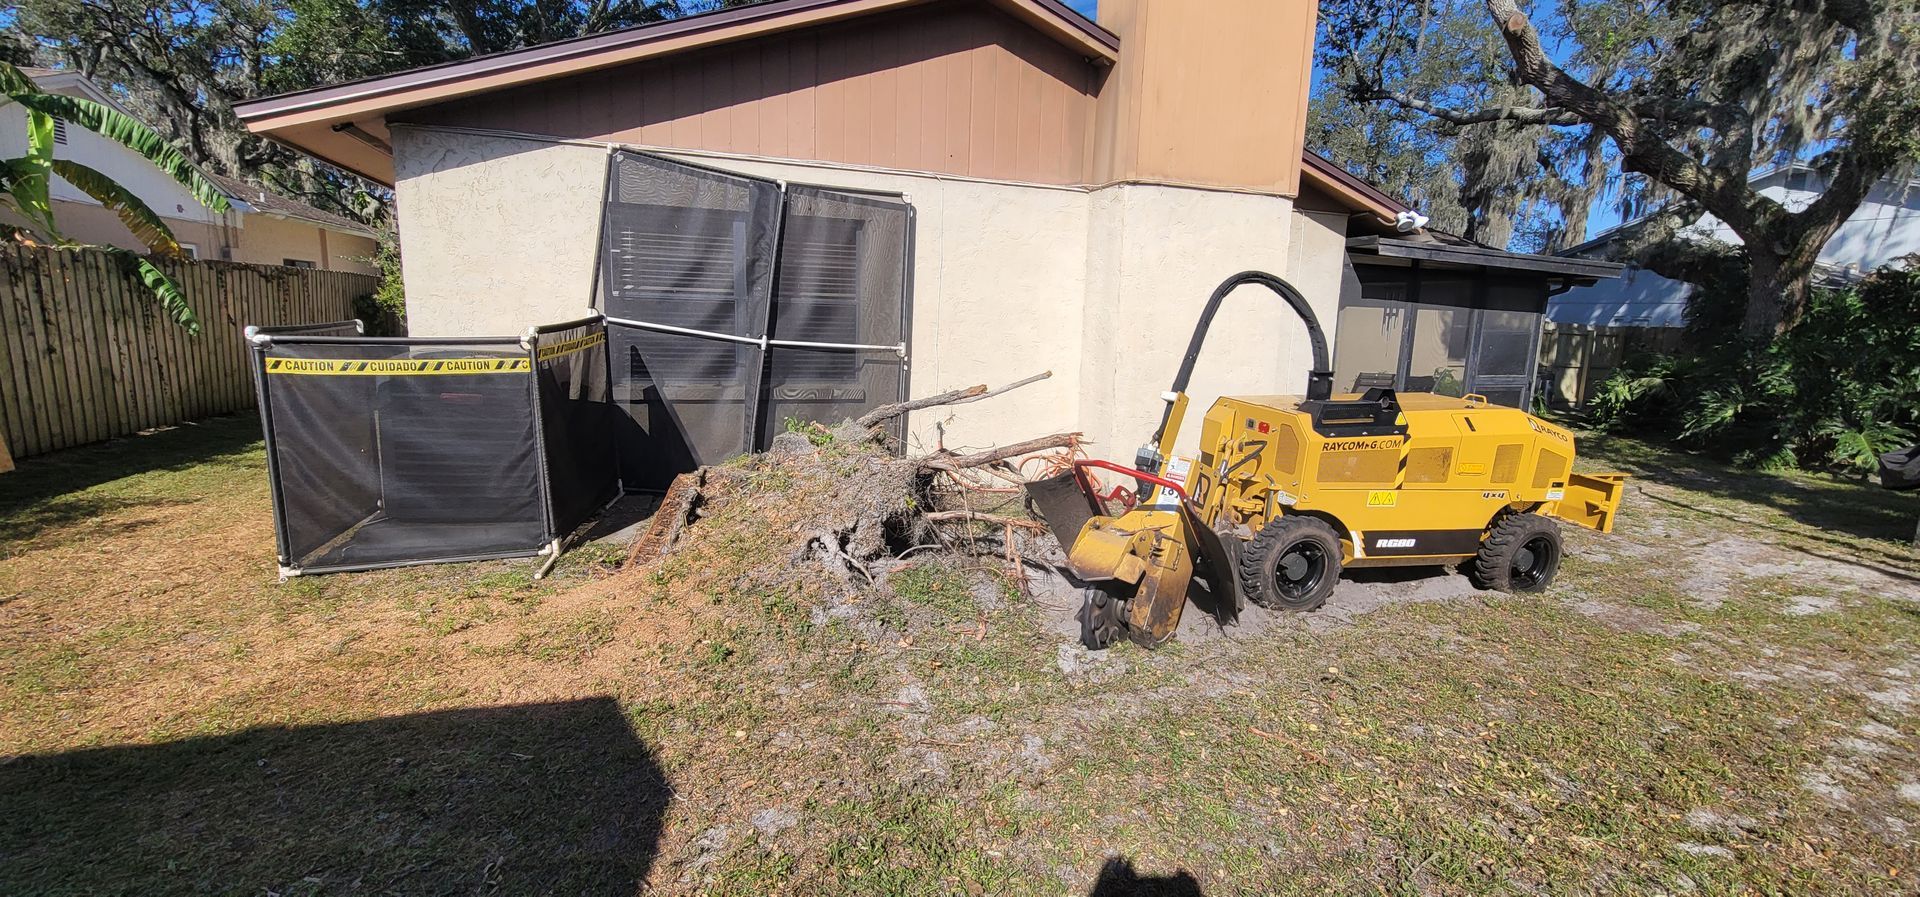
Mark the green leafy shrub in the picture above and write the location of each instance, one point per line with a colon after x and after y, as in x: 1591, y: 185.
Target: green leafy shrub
x: 385, y: 309
x: 1839, y: 388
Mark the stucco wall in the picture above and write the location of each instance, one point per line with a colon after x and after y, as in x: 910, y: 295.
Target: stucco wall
x: 1100, y: 287
x: 496, y: 234
x: 1155, y: 255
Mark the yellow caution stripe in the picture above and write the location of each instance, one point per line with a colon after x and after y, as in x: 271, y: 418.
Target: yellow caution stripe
x: 397, y: 367
x: 571, y: 346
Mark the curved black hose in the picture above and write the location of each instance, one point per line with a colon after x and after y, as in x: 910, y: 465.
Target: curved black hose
x: 1319, y: 379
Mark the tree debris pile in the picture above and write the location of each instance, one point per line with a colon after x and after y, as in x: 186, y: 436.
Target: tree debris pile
x: 837, y: 501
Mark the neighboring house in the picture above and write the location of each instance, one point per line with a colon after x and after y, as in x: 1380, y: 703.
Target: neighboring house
x: 1074, y: 191
x: 1886, y: 228
x: 262, y: 228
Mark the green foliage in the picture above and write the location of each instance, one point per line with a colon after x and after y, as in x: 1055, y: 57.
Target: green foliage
x: 1511, y: 118
x: 384, y: 311
x: 25, y: 181
x: 1832, y: 393
x: 1502, y: 184
x: 144, y: 222
x: 816, y: 433
x: 126, y: 131
x: 182, y: 65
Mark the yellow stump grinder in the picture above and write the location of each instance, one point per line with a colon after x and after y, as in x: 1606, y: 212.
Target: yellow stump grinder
x: 1286, y: 491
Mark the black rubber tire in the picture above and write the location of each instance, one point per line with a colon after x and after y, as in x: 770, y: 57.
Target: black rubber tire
x: 1520, y: 554
x: 1295, y: 541
x: 1100, y: 614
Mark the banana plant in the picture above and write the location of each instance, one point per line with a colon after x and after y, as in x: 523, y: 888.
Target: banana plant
x: 26, y: 183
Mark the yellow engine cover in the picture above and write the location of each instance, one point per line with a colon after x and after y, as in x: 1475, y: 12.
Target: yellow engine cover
x: 1423, y: 496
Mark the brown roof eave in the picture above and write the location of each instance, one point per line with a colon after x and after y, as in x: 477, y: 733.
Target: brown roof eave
x: 1361, y: 196
x: 430, y: 84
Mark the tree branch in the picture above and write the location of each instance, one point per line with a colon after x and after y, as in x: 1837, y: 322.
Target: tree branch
x: 951, y: 462
x: 1526, y: 115
x: 1723, y: 193
x: 952, y: 397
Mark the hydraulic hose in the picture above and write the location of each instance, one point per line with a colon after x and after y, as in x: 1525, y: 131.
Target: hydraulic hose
x: 1319, y: 378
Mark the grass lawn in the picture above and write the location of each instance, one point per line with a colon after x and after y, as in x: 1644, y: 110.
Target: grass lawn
x: 1720, y: 698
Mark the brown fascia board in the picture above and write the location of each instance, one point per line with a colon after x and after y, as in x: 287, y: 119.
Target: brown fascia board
x: 1362, y: 196
x: 1485, y: 257
x: 432, y: 84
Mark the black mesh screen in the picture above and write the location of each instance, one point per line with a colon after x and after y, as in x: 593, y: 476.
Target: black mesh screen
x: 576, y: 420
x: 692, y: 248
x: 388, y: 452
x: 842, y: 278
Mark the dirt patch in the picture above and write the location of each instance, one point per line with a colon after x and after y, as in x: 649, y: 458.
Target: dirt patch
x: 1628, y: 618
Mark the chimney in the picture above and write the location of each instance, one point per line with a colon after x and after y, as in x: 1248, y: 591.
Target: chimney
x: 1211, y: 94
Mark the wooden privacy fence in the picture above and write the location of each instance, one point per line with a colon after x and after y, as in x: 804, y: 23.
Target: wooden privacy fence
x: 1578, y: 357
x: 87, y: 354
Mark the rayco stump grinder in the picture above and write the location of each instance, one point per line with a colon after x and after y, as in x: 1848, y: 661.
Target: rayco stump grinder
x: 1286, y: 491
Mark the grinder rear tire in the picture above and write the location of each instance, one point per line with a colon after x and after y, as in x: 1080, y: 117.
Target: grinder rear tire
x: 1521, y: 553
x: 1293, y: 564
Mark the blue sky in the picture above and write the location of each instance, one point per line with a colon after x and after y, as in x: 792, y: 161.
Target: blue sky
x: 1083, y: 7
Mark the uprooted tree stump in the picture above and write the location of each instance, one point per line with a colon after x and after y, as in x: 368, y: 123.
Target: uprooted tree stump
x: 846, y: 501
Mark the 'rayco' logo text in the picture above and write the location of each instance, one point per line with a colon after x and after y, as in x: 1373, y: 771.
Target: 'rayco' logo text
x: 1361, y: 445
x: 1543, y: 429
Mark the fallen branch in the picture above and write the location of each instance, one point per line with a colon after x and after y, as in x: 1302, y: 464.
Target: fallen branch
x: 949, y: 462
x: 955, y: 397
x: 983, y: 517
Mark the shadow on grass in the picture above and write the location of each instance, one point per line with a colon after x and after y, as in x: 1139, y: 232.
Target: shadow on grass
x: 1119, y: 879
x: 51, y: 490
x: 1859, y: 509
x: 557, y: 798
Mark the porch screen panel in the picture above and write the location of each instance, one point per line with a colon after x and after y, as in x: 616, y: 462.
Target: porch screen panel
x: 1508, y: 354
x: 691, y: 248
x: 842, y: 278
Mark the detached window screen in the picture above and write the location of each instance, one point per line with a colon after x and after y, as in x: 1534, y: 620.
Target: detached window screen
x: 842, y: 279
x: 714, y: 263
x: 691, y: 248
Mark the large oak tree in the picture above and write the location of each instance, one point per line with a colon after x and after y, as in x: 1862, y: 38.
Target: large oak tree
x: 1693, y: 97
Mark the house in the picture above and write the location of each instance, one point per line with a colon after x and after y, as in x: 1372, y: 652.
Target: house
x: 1885, y: 229
x: 261, y: 228
x: 998, y: 187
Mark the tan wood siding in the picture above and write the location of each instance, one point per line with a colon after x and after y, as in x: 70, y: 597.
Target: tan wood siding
x: 87, y: 355
x: 1210, y: 99
x: 955, y: 88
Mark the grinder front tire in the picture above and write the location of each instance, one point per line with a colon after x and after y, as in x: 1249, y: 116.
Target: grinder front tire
x: 1099, y: 616
x: 1292, y: 565
x: 1521, y: 553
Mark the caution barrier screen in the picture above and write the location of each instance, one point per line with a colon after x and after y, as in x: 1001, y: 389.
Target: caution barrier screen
x: 385, y: 452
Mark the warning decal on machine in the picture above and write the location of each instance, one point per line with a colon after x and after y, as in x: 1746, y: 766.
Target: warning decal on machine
x: 397, y: 367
